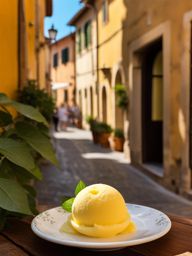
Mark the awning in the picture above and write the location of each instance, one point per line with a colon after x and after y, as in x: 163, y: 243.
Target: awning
x: 56, y: 86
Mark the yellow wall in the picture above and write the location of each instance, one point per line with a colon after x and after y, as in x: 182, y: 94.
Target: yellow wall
x: 9, y: 47
x: 110, y: 34
x: 42, y: 53
x: 110, y: 55
x: 35, y: 13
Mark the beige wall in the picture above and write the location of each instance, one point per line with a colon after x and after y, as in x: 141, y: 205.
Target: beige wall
x: 64, y: 72
x: 86, y: 69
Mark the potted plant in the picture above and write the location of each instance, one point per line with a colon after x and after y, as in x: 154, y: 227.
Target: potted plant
x: 118, y: 139
x: 93, y: 127
x: 104, y: 130
x: 122, y: 97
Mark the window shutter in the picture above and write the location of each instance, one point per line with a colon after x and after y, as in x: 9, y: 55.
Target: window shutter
x: 65, y: 55
x: 55, y: 60
x: 79, y: 41
x: 87, y: 34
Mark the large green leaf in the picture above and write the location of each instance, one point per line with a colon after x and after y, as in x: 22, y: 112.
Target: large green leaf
x: 29, y: 112
x: 11, y: 170
x: 13, y: 197
x: 17, y: 152
x: 5, y: 118
x: 31, y: 198
x: 37, y: 140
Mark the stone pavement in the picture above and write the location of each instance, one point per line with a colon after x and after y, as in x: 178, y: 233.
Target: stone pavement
x: 80, y: 159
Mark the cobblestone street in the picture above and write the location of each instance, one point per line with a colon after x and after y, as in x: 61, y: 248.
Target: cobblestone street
x: 81, y: 159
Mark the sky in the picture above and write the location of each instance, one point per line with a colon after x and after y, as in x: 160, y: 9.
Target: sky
x: 63, y: 11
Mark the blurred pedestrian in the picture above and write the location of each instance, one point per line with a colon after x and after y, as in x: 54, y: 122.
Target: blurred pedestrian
x: 55, y: 119
x: 76, y: 114
x: 63, y: 114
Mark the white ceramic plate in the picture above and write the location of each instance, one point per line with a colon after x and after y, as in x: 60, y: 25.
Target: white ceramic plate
x: 151, y: 224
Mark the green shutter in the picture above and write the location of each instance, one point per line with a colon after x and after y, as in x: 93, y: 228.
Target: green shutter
x: 55, y: 60
x: 79, y: 41
x: 87, y: 34
x: 65, y: 55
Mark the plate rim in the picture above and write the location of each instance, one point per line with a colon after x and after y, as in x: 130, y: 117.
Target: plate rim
x: 103, y: 245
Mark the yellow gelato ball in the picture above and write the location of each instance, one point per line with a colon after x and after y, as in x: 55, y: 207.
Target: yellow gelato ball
x: 99, y: 210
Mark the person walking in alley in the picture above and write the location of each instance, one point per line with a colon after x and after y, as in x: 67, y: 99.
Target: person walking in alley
x: 55, y: 119
x: 76, y: 115
x: 63, y: 114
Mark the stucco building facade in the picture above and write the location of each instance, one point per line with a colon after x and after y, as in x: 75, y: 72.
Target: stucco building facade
x: 110, y: 59
x: 156, y: 52
x: 23, y: 45
x: 86, y: 62
x: 63, y: 70
x: 149, y: 44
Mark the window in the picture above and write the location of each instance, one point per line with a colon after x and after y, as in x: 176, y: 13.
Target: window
x: 105, y: 11
x: 78, y: 43
x: 87, y: 34
x: 65, y: 55
x: 55, y: 60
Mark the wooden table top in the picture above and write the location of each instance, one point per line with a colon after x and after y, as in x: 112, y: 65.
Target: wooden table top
x: 19, y: 240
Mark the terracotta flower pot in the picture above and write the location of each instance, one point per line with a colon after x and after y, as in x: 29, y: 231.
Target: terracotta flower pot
x: 95, y: 136
x: 104, y: 139
x: 118, y: 144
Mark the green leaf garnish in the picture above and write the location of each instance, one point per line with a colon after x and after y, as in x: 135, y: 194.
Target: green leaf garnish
x: 67, y: 205
x: 80, y: 186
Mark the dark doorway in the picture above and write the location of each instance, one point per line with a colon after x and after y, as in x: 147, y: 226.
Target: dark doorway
x: 152, y: 103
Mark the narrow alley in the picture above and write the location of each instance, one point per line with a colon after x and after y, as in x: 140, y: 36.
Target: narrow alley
x: 80, y: 159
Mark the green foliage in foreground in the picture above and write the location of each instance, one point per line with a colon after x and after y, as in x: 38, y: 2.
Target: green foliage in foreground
x: 23, y: 139
x: 67, y: 205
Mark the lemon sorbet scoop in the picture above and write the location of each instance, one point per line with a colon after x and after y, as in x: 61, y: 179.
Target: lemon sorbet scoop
x: 99, y: 210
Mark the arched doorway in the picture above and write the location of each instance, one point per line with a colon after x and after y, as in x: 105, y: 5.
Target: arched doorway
x: 91, y: 101
x: 104, y: 105
x: 119, y: 112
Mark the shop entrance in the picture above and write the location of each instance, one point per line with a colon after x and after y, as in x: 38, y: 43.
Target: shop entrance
x: 152, y: 103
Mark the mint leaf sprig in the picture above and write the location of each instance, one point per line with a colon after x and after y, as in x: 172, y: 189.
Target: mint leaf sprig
x: 67, y: 205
